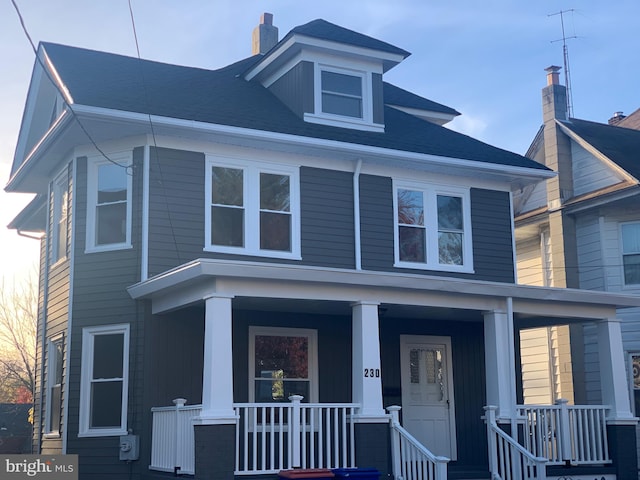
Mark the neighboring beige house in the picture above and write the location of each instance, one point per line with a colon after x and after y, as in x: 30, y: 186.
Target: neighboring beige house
x: 579, y: 230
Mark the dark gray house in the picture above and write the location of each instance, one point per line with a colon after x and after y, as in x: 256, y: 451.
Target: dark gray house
x: 243, y: 269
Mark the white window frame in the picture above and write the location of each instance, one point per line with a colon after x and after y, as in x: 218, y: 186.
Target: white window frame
x: 93, y: 164
x: 251, y: 204
x: 310, y: 334
x: 365, y: 122
x: 622, y: 255
x: 51, y: 348
x: 430, y: 194
x: 88, y: 336
x: 60, y: 214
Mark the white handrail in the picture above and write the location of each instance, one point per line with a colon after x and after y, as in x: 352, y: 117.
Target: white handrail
x: 508, y: 460
x: 412, y: 460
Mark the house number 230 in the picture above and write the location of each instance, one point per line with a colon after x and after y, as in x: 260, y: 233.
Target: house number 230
x: 372, y: 373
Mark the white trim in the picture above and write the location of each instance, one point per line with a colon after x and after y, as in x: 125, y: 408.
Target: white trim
x: 59, y: 186
x: 439, y: 118
x: 144, y: 241
x: 251, y: 206
x: 430, y: 193
x: 512, y: 225
x: 356, y: 214
x: 88, y: 335
x: 93, y: 164
x: 51, y: 343
x: 310, y: 334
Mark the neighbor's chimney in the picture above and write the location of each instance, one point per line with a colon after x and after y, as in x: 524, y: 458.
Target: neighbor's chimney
x: 617, y: 118
x: 265, y: 35
x: 553, y: 75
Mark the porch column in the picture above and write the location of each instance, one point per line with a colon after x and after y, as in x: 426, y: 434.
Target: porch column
x: 500, y: 363
x: 613, y: 377
x: 366, y: 374
x: 217, y: 375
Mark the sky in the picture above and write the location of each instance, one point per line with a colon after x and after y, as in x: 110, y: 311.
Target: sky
x: 485, y: 59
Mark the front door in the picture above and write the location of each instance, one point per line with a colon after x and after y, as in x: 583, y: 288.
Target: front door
x: 428, y: 410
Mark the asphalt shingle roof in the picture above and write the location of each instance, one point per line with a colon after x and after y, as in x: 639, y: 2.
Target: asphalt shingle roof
x: 398, y: 96
x: 222, y: 96
x: 620, y: 145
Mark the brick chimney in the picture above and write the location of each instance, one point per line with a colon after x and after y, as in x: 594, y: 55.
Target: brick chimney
x: 265, y: 35
x: 617, y: 118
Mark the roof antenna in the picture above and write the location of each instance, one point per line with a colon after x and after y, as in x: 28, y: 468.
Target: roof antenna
x: 565, y: 51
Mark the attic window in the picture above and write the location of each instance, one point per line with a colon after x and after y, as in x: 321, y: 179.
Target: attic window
x: 341, y: 94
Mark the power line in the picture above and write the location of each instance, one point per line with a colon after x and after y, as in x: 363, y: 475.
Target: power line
x: 62, y: 95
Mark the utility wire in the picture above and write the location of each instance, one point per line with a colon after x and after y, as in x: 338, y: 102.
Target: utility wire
x: 57, y: 87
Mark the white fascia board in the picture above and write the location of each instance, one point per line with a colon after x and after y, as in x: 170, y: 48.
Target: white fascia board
x: 189, y: 275
x: 438, y: 118
x: 63, y: 120
x: 61, y: 87
x: 303, y: 41
x: 364, y: 151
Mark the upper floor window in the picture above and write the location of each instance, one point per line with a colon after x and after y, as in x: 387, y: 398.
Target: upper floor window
x: 252, y: 209
x: 104, y: 380
x: 59, y: 224
x: 433, y: 227
x: 341, y: 94
x: 109, y: 203
x: 631, y: 253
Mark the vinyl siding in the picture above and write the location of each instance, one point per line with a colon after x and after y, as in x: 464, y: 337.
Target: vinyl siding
x: 590, y: 173
x: 378, y: 98
x: 295, y: 88
x: 590, y: 253
x: 536, y: 374
x: 529, y: 262
x: 100, y: 298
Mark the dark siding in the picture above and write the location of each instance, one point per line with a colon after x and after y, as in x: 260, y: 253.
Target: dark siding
x: 467, y: 348
x: 295, y: 88
x: 376, y: 223
x: 39, y: 376
x: 490, y: 223
x: 326, y: 204
x: 492, y: 241
x: 176, y: 208
x: 100, y: 298
x: 177, y: 216
x: 378, y: 98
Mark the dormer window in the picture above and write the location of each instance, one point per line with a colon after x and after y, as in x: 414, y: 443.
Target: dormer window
x: 341, y: 94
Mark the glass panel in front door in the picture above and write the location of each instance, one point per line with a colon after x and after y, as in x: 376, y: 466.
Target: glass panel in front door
x: 427, y: 375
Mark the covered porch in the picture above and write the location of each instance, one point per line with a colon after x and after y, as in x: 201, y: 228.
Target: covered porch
x: 439, y: 348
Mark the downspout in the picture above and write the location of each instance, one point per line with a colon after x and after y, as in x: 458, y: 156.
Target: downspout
x: 514, y: 253
x: 356, y: 213
x: 144, y: 251
x: 512, y: 365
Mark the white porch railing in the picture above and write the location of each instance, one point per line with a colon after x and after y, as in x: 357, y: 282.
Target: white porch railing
x: 508, y: 460
x: 271, y: 437
x: 173, y: 446
x: 411, y: 460
x: 566, y: 433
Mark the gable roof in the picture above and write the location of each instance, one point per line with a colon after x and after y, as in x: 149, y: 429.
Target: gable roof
x: 222, y: 96
x: 324, y: 30
x: 618, y: 144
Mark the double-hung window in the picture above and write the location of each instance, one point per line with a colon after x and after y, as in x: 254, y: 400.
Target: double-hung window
x: 282, y: 362
x: 341, y: 94
x: 631, y: 253
x: 104, y: 380
x: 109, y: 203
x: 252, y: 209
x: 53, y: 415
x: 433, y: 227
x: 59, y: 224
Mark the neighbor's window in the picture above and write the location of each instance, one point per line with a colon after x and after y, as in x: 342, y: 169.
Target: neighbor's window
x: 631, y: 253
x: 433, y: 228
x: 282, y: 363
x: 59, y: 224
x: 341, y: 94
x: 253, y: 209
x: 109, y: 203
x: 104, y: 382
x: 53, y: 414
